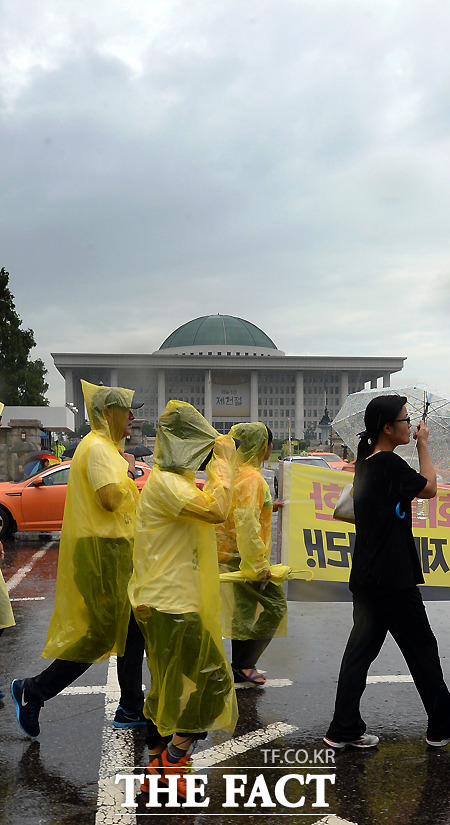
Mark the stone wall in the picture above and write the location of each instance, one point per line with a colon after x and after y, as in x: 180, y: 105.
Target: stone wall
x: 12, y: 439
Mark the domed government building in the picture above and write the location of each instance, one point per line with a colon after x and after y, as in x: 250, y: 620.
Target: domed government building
x: 231, y: 371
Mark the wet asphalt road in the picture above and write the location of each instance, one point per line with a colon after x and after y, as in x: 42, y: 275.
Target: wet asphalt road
x: 68, y: 775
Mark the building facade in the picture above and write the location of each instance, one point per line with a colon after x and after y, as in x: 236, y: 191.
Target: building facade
x: 231, y: 371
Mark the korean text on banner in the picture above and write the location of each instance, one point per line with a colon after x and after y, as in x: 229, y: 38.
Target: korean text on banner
x: 312, y: 539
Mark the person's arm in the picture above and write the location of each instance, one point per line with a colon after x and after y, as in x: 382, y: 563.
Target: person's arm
x: 212, y: 504
x: 247, y: 513
x: 426, y: 467
x: 112, y: 495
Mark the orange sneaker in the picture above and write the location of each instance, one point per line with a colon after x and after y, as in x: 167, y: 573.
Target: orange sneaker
x: 163, y: 768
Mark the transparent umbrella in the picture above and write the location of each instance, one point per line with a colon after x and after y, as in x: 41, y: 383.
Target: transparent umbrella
x: 421, y: 400
x: 21, y: 447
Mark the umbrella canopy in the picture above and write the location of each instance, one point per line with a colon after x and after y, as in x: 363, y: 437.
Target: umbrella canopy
x: 69, y: 450
x: 21, y: 447
x: 421, y: 399
x: 35, y: 463
x: 138, y: 451
x: 40, y: 455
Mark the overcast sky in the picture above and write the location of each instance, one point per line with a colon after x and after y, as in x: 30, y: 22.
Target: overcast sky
x: 286, y: 161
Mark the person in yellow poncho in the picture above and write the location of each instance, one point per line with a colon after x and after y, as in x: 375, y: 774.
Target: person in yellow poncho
x: 92, y: 611
x: 253, y: 610
x: 174, y: 589
x: 6, y: 614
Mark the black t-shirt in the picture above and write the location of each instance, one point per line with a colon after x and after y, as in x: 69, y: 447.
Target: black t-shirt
x: 385, y: 557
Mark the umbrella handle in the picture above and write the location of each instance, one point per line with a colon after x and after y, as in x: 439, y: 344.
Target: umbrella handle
x: 308, y: 575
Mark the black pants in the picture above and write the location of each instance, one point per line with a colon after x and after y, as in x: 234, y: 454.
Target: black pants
x: 403, y: 615
x: 246, y: 652
x: 61, y: 673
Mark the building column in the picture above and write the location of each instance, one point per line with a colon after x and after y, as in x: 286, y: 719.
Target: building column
x: 299, y: 429
x: 113, y: 377
x: 69, y: 388
x: 208, y: 396
x: 254, y: 395
x: 386, y: 379
x: 373, y: 383
x: 74, y: 394
x: 343, y: 387
x: 161, y: 392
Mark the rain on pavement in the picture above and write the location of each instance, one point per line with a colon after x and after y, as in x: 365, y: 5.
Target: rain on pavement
x: 68, y: 775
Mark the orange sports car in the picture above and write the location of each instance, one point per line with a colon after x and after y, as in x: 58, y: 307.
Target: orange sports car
x: 37, y: 503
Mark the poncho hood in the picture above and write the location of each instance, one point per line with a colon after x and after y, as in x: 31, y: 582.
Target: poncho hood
x: 108, y: 409
x: 184, y: 438
x: 254, y: 439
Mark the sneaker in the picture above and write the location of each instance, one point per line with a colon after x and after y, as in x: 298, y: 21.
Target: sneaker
x: 27, y: 712
x: 437, y: 743
x: 2, y: 695
x: 367, y: 740
x: 161, y: 766
x: 123, y: 719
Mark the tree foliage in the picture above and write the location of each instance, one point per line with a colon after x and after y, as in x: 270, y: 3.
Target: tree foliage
x: 22, y: 381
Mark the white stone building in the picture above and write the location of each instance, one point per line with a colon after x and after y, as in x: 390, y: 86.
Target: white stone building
x: 231, y: 371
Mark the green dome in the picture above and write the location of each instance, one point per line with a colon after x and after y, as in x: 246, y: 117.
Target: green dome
x: 225, y: 330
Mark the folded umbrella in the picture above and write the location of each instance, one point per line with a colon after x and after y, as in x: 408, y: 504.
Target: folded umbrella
x: 278, y: 574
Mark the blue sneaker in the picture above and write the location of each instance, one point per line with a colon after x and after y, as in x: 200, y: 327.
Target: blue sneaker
x: 27, y: 712
x: 2, y: 695
x: 123, y: 719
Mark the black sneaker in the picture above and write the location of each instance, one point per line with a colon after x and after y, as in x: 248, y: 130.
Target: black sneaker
x: 27, y: 712
x: 123, y: 719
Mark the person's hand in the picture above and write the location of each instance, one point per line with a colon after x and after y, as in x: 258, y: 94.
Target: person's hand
x: 277, y: 504
x: 421, y: 432
x: 131, y: 460
x: 224, y: 447
x: 349, y: 467
x: 2, y: 552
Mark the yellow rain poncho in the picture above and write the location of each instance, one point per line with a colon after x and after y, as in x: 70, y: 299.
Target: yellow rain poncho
x: 91, y: 615
x: 174, y: 589
x: 6, y: 614
x: 254, y: 608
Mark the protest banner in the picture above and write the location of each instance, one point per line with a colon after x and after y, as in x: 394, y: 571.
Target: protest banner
x: 313, y: 539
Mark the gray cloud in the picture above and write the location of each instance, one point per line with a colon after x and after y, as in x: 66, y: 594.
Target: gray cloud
x: 286, y: 162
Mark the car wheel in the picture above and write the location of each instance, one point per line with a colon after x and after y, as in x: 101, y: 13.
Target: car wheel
x: 6, y: 523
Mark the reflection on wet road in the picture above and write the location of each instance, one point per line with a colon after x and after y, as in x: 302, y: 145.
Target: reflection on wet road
x: 69, y: 775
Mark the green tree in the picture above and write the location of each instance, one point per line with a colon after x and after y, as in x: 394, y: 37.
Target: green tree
x: 21, y: 379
